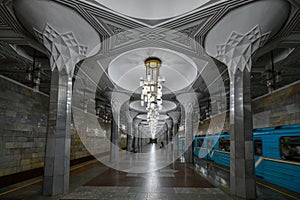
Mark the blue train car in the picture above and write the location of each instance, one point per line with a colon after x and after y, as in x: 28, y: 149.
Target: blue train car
x: 276, y: 153
x: 209, y: 147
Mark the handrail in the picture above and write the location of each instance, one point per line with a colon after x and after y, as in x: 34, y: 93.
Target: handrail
x: 226, y: 152
x: 282, y: 161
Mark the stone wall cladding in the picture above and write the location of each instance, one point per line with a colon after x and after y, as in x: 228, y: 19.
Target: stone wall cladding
x: 77, y: 148
x: 23, y: 122
x: 277, y: 109
x: 23, y: 128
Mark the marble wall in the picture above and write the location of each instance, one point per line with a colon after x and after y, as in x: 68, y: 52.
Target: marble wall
x: 282, y: 107
x: 23, y: 127
x: 277, y: 109
x: 23, y: 123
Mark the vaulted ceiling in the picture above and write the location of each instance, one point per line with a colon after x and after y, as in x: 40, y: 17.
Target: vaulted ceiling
x: 127, y: 26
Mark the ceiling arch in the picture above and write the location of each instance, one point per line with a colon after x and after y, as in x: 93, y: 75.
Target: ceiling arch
x: 179, y: 70
x: 152, y: 10
x: 167, y: 106
x: 244, y: 18
x: 37, y: 14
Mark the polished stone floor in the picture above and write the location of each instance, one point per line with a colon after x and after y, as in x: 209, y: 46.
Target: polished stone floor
x: 175, y: 175
x: 93, y: 180
x: 177, y: 181
x: 136, y: 193
x: 96, y: 181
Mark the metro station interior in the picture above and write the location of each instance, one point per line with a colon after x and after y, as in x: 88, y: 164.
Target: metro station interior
x: 137, y: 99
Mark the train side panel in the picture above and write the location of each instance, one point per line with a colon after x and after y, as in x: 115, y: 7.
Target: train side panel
x: 277, y: 170
x: 282, y: 174
x: 221, y: 158
x: 269, y: 161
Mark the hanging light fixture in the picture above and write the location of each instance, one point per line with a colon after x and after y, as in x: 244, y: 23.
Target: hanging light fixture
x: 151, y: 85
x: 33, y: 74
x: 151, y: 96
x: 273, y: 76
x: 37, y: 77
x: 29, y: 74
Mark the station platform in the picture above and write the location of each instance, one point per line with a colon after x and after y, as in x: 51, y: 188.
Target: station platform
x: 93, y: 180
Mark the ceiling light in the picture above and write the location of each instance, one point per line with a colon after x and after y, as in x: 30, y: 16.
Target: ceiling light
x: 151, y: 96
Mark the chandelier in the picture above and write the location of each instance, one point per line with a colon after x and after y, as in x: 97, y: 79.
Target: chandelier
x: 151, y: 96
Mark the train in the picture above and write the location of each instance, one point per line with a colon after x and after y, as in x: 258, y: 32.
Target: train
x: 276, y: 153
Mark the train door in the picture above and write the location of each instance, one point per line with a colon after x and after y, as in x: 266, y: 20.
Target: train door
x: 258, y: 157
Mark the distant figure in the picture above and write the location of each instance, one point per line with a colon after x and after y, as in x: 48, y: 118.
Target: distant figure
x: 162, y: 144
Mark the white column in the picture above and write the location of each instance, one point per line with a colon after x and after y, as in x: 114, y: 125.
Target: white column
x: 130, y: 130
x: 64, y: 52
x: 190, y: 103
x: 237, y: 53
x: 170, y: 130
x: 117, y: 100
x: 136, y: 123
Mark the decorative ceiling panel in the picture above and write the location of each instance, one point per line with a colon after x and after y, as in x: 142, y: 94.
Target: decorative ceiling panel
x: 121, y: 33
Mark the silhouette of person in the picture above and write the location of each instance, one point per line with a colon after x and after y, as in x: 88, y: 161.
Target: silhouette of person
x: 162, y: 144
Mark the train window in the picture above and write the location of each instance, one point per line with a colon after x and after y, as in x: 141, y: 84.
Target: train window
x: 290, y: 148
x: 224, y: 144
x: 200, y: 142
x: 210, y: 143
x: 257, y: 147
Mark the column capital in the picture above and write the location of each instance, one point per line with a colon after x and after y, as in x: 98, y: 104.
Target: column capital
x: 189, y: 101
x: 63, y: 48
x: 169, y: 123
x: 236, y: 53
x: 131, y: 115
x: 117, y: 99
x: 136, y: 123
x: 175, y: 116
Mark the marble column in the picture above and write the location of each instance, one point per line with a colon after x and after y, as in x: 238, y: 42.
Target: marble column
x: 236, y: 54
x: 175, y: 116
x: 63, y: 57
x: 170, y: 130
x: 139, y: 139
x: 129, y: 136
x: 130, y: 130
x: 165, y: 134
x: 190, y: 103
x: 136, y: 123
x: 114, y: 141
x: 188, y: 136
x: 117, y: 100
